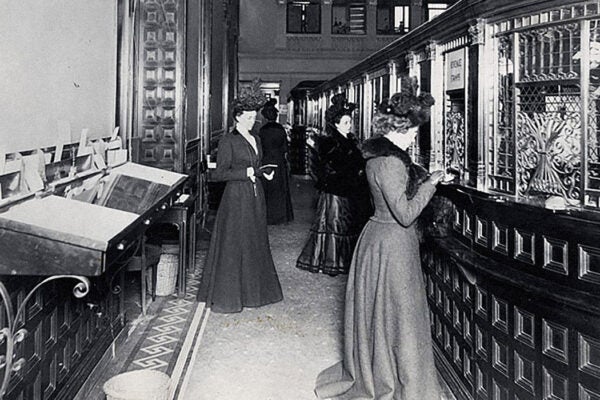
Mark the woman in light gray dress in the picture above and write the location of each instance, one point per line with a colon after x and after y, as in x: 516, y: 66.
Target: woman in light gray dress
x: 388, y: 350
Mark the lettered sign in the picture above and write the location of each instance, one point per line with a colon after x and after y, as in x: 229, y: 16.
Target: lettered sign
x: 455, y: 69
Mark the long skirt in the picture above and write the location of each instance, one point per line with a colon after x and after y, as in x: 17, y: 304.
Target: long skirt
x: 388, y: 352
x: 239, y: 269
x: 279, y: 200
x: 333, y: 234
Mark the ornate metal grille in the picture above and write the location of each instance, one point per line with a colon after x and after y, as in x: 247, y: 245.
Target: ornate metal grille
x: 547, y: 53
x: 502, y: 164
x: 593, y: 127
x: 549, y: 140
x: 454, y: 140
x: 537, y: 147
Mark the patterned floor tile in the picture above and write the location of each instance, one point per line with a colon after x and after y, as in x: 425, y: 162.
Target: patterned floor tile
x: 163, y: 339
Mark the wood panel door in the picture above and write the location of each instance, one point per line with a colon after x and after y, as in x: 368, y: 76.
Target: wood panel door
x: 160, y: 38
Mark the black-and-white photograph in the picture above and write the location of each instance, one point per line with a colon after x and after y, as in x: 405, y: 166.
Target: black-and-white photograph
x: 300, y: 200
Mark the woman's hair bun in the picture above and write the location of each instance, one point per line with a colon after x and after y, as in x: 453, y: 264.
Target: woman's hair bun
x: 339, y: 107
x: 407, y: 104
x: 269, y: 111
x: 338, y: 99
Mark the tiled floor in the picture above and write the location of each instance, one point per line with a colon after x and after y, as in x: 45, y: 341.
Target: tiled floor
x: 161, y: 340
x: 274, y: 352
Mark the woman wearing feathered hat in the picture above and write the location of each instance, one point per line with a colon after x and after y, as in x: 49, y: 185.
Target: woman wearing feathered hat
x: 387, y: 340
x: 239, y: 270
x: 344, y: 204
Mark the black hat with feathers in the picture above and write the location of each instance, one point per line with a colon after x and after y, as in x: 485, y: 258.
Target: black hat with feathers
x: 407, y: 104
x: 250, y: 98
x: 339, y: 107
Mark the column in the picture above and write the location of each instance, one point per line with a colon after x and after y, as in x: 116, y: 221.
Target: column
x: 476, y: 99
x: 393, y: 73
x: 436, y: 160
x: 368, y: 106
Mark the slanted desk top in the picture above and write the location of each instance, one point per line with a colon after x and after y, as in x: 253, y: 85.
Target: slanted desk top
x: 68, y: 221
x: 48, y: 234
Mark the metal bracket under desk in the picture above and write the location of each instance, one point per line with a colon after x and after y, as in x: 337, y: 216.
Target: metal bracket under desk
x: 183, y: 216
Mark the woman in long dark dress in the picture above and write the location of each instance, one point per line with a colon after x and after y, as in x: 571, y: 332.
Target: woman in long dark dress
x: 239, y: 269
x: 275, y: 147
x: 387, y: 339
x: 344, y: 204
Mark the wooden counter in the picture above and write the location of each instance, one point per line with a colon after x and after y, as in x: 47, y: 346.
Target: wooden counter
x: 52, y: 233
x: 515, y: 300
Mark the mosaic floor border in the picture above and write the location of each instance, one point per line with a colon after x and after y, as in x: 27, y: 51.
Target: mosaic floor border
x: 166, y: 333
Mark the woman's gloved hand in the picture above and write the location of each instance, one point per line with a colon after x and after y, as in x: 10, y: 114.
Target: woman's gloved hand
x: 269, y: 176
x: 250, y: 174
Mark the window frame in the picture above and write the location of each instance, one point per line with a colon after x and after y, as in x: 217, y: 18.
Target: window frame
x: 430, y: 8
x: 347, y: 6
x: 304, y: 4
x: 390, y: 6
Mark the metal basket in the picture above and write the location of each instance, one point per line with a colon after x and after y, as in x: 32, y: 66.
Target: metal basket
x: 142, y: 384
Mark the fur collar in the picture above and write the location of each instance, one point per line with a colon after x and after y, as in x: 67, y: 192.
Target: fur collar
x: 382, y: 147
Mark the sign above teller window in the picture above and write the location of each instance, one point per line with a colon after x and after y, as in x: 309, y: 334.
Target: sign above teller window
x: 455, y: 69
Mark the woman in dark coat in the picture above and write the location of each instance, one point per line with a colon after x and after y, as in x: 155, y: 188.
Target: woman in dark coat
x: 344, y: 204
x: 388, y: 352
x: 275, y: 147
x: 239, y: 269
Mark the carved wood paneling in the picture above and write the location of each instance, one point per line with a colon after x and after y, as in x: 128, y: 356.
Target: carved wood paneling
x: 511, y: 317
x: 66, y: 337
x: 159, y: 102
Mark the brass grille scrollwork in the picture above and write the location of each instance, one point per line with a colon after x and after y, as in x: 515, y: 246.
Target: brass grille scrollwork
x: 11, y: 335
x: 502, y: 165
x: 538, y: 139
x: 455, y: 141
x: 593, y: 126
x: 547, y: 53
x: 549, y: 160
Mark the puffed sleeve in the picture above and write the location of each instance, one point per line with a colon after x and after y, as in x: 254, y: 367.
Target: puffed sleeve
x: 225, y: 170
x: 391, y: 176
